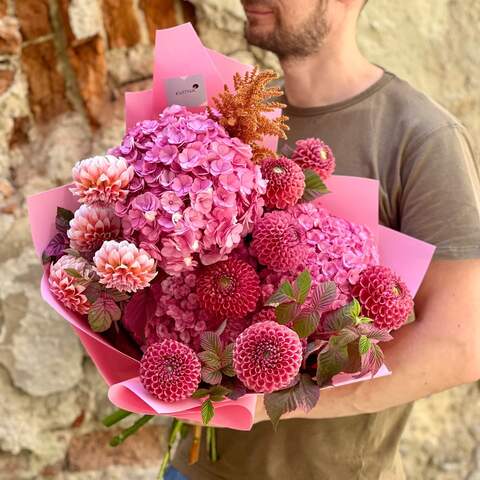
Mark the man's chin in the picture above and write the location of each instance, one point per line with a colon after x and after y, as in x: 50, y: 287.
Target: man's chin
x: 259, y: 36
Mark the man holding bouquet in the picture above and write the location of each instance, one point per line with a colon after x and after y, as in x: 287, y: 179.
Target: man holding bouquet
x: 379, y: 127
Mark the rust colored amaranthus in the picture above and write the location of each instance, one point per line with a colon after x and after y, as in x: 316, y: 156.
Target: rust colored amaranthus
x: 242, y: 111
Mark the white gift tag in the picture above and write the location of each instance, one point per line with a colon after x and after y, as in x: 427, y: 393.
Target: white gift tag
x: 188, y: 91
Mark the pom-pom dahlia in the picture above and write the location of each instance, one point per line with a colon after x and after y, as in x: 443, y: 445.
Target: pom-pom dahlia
x: 123, y: 266
x: 279, y: 242
x: 267, y: 356
x: 313, y: 154
x: 170, y: 370
x: 384, y: 297
x: 101, y: 180
x: 91, y: 226
x: 229, y: 289
x: 286, y: 182
x: 67, y: 288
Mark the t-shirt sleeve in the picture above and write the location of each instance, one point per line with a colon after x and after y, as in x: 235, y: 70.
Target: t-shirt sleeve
x: 440, y: 201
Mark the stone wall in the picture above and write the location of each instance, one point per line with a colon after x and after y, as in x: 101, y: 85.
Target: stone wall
x: 64, y: 65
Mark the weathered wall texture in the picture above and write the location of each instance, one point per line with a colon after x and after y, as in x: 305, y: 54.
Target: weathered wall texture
x: 64, y: 65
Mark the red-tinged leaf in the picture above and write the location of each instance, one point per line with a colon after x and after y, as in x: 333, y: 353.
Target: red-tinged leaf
x: 302, y: 286
x: 354, y: 364
x: 211, y: 375
x: 229, y: 371
x: 62, y: 220
x: 287, y: 289
x: 341, y: 318
x: 323, y: 296
x: 140, y: 309
x: 304, y: 394
x: 55, y: 248
x: 207, y: 411
x: 118, y: 296
x: 102, y: 313
x: 236, y: 387
x: 372, y: 360
x: 93, y: 291
x: 312, y: 347
x: 306, y: 324
x: 347, y: 335
x: 330, y: 361
x: 286, y: 312
x: 210, y: 341
x: 227, y: 355
x: 210, y: 359
x: 373, y: 333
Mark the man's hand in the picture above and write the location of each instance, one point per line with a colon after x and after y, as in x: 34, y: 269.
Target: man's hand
x: 440, y: 350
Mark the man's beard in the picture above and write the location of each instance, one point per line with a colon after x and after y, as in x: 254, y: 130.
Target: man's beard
x: 307, y: 38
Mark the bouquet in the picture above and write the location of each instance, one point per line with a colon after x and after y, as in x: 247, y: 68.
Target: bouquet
x: 201, y: 270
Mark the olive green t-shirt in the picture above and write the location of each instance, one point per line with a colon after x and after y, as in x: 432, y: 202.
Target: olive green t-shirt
x: 429, y: 189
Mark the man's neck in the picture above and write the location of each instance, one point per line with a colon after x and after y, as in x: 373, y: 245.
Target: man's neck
x: 329, y: 76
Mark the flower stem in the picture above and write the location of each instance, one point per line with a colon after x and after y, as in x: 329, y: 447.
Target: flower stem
x: 115, y: 441
x: 115, y: 417
x: 197, y: 440
x: 175, y: 430
x: 212, y: 447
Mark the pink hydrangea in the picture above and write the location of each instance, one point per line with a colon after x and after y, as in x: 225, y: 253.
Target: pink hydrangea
x: 195, y: 193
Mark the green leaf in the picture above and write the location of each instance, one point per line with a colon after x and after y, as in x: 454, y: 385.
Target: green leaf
x: 364, y: 344
x: 210, y: 341
x: 302, y: 286
x: 74, y: 273
x: 286, y: 312
x: 324, y: 295
x: 287, y: 289
x: 219, y: 390
x: 207, y: 411
x: 314, y: 186
x: 304, y: 394
x: 211, y: 375
x: 312, y: 347
x: 330, y: 361
x: 354, y: 309
x: 102, y: 313
x: 210, y: 359
x: 364, y: 320
x: 306, y: 324
x: 229, y: 371
x: 200, y: 393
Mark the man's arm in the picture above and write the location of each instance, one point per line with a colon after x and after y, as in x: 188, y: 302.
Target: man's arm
x: 440, y: 350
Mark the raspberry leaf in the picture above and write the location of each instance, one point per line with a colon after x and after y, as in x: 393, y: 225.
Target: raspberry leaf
x: 372, y: 360
x: 210, y: 359
x: 302, y: 286
x: 102, y: 313
x: 286, y: 312
x: 364, y: 344
x: 324, y: 295
x: 62, y: 220
x: 210, y: 341
x: 201, y: 393
x: 373, y: 333
x: 306, y: 323
x: 207, y: 411
x: 304, y: 394
x: 314, y: 186
x: 55, y: 248
x: 211, y: 375
x: 331, y: 361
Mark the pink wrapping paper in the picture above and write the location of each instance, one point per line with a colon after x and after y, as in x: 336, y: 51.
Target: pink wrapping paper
x: 179, y: 52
